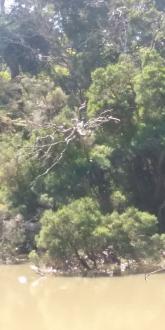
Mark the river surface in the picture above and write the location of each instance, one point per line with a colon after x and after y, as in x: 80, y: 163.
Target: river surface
x: 28, y: 302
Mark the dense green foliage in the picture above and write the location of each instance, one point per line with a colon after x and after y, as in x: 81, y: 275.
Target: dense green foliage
x: 80, y: 231
x: 82, y: 131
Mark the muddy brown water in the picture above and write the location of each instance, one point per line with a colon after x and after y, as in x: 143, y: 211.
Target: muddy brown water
x: 28, y: 302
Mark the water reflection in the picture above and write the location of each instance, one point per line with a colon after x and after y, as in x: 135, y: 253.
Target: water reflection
x: 127, y: 303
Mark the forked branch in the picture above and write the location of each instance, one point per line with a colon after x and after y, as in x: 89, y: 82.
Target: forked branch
x: 58, y: 137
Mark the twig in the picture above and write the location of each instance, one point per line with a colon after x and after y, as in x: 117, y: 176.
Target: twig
x: 154, y: 272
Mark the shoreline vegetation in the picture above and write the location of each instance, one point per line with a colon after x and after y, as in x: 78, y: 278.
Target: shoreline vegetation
x: 125, y: 268
x: 116, y: 271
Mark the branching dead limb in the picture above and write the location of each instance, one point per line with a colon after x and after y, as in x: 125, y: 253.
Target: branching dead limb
x: 61, y: 136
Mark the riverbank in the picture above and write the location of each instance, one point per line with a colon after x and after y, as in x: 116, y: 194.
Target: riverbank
x: 111, y: 271
x: 123, y: 268
x: 14, y: 260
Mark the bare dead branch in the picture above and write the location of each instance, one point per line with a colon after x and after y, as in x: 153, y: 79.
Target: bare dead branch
x: 51, y: 143
x: 154, y: 272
